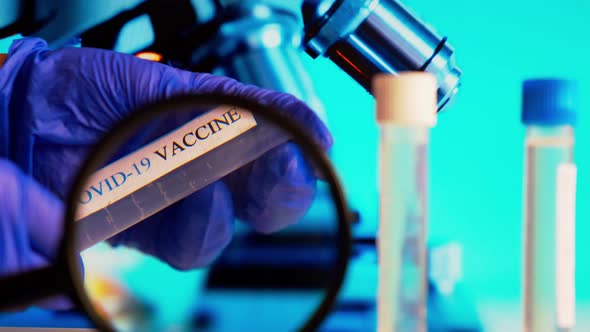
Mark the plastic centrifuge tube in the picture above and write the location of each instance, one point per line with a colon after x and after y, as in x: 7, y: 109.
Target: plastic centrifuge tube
x: 169, y: 169
x: 549, y: 114
x: 406, y: 110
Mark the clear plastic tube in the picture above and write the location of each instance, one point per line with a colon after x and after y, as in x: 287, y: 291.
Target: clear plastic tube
x: 169, y: 169
x: 402, y: 228
x: 547, y: 148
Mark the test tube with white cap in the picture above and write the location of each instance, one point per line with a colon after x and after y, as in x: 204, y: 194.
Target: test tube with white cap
x: 406, y: 110
x: 549, y: 114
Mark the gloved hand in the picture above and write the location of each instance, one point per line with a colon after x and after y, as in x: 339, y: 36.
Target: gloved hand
x: 30, y: 221
x: 57, y: 104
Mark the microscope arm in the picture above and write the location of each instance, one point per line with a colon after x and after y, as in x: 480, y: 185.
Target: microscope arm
x: 12, y: 13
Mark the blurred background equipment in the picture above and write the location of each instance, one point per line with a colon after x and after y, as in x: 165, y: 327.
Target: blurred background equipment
x: 549, y: 112
x: 256, y: 41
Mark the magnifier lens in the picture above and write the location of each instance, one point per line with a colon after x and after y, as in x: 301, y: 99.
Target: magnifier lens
x: 206, y: 218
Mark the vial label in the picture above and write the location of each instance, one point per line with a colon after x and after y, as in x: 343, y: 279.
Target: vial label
x: 565, y: 236
x: 158, y: 158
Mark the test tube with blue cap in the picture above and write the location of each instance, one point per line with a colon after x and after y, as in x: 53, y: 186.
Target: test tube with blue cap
x: 406, y: 110
x: 549, y: 114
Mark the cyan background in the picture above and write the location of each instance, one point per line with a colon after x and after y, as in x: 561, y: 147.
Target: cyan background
x: 477, y: 147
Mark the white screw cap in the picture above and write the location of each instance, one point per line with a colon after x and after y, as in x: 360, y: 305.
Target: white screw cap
x: 407, y: 99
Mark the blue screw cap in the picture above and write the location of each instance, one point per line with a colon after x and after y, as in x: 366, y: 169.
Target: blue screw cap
x: 549, y: 102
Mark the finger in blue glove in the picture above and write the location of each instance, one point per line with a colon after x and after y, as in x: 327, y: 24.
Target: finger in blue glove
x: 31, y: 224
x: 275, y: 190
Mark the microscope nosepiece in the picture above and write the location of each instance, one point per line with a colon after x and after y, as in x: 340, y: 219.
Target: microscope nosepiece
x: 366, y: 37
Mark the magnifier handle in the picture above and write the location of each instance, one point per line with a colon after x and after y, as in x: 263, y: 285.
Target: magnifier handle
x: 21, y: 290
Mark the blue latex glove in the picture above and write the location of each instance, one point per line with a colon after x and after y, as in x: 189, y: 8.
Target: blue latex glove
x: 31, y: 220
x: 54, y: 105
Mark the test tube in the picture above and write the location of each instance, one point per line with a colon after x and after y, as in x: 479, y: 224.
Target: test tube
x: 548, y: 112
x: 406, y: 110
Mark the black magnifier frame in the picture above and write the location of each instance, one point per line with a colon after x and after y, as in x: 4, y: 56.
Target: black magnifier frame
x: 63, y: 277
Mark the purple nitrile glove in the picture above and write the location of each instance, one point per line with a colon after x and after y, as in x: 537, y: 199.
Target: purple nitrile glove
x: 55, y: 104
x: 31, y: 220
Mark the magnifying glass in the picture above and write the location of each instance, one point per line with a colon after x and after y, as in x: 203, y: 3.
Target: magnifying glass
x: 200, y: 213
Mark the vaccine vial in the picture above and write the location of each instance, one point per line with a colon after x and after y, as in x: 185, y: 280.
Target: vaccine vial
x: 549, y: 114
x: 406, y: 110
x: 170, y: 168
